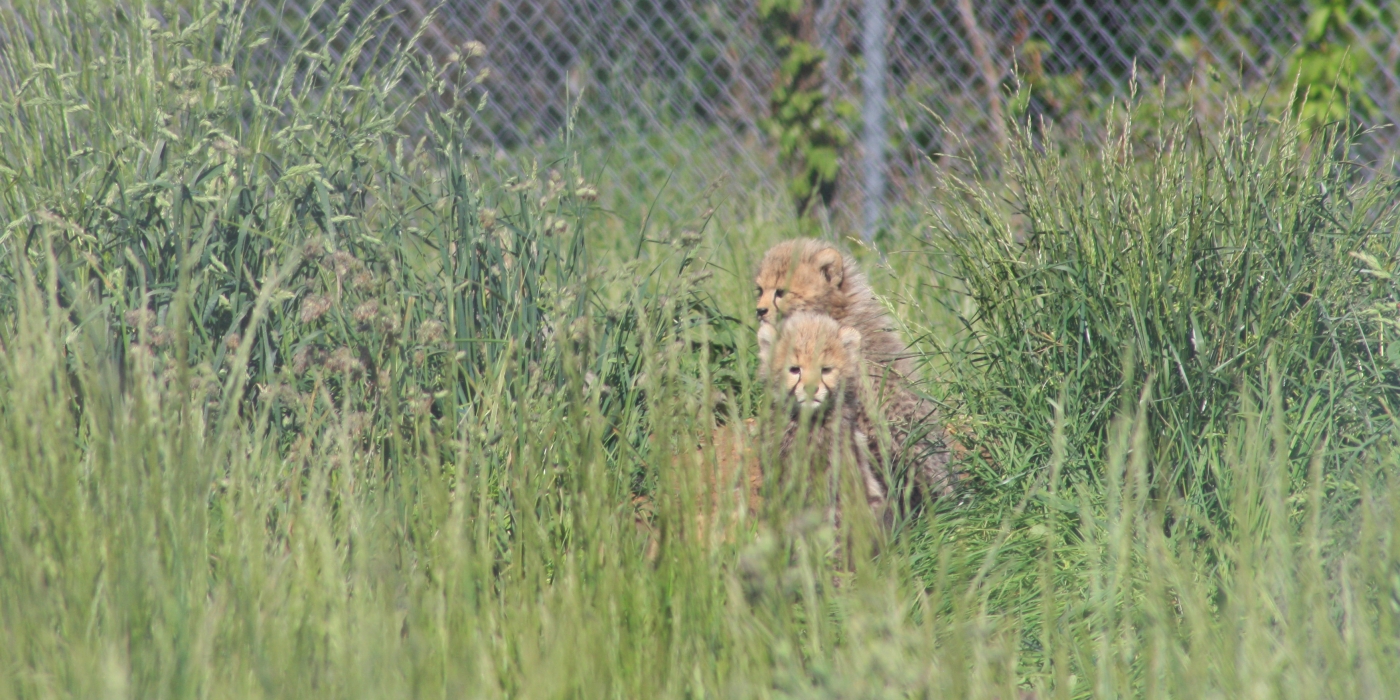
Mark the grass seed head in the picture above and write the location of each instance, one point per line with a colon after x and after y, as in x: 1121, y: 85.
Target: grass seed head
x: 314, y: 307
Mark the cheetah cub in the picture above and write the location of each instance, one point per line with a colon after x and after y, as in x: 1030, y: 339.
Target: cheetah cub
x: 807, y: 275
x: 812, y: 365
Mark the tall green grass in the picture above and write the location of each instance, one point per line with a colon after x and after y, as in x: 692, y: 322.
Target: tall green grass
x: 1196, y: 260
x: 303, y: 408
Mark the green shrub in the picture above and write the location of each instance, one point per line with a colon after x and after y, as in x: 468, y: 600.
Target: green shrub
x: 1201, y: 267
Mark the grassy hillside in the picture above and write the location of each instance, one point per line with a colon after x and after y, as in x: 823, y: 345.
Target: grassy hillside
x: 299, y: 405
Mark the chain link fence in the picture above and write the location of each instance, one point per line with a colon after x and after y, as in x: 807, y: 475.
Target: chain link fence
x: 688, y: 83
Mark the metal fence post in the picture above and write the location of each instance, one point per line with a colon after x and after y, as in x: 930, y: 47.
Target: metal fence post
x: 872, y: 81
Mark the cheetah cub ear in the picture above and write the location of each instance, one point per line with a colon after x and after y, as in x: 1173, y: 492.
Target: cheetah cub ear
x: 850, y: 340
x: 828, y: 261
x: 766, y: 335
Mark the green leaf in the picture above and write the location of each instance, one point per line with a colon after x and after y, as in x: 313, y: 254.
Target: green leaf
x: 1316, y: 26
x: 824, y: 162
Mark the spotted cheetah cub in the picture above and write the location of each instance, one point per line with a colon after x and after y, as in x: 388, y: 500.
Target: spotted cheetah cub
x: 807, y: 275
x: 812, y: 364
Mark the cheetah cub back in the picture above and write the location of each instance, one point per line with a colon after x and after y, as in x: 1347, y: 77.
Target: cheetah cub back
x: 811, y: 364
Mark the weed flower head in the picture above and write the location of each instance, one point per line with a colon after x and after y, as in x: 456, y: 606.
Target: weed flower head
x: 139, y: 319
x: 314, y: 307
x: 365, y: 312
x: 344, y: 361
x: 430, y: 332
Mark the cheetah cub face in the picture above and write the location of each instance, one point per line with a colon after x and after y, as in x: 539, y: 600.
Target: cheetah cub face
x: 808, y: 360
x: 798, y: 275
